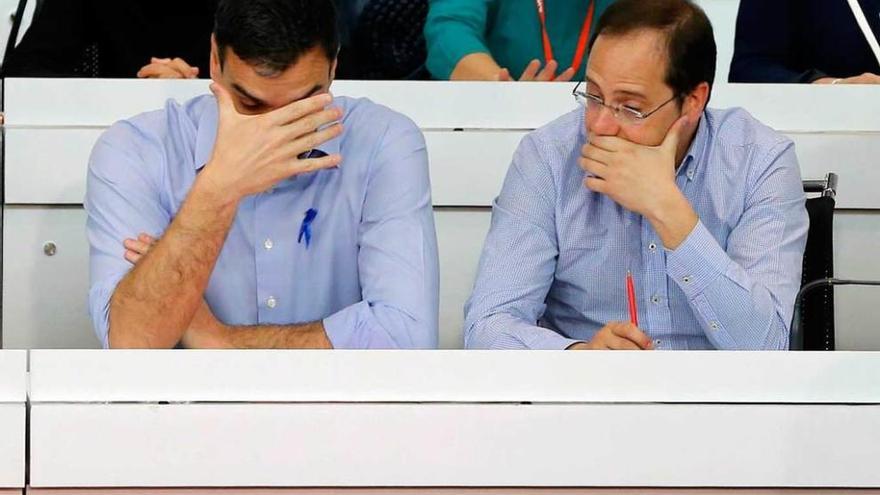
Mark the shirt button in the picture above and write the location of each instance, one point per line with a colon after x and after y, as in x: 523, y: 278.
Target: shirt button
x: 686, y: 279
x: 271, y: 302
x: 690, y: 174
x: 652, y: 247
x: 268, y: 244
x: 655, y: 299
x: 713, y: 325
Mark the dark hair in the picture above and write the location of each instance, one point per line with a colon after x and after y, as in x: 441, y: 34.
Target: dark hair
x: 690, y: 41
x: 273, y: 34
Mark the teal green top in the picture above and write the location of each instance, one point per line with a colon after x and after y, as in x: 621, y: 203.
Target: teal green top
x: 509, y: 30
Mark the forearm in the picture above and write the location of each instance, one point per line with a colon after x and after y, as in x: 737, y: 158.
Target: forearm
x: 476, y: 67
x: 155, y: 302
x: 736, y: 308
x: 673, y: 219
x: 304, y: 336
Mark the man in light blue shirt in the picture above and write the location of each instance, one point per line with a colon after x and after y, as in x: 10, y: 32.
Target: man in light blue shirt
x: 705, y: 207
x: 270, y: 215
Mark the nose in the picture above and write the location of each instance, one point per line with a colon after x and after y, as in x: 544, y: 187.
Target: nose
x: 602, y: 122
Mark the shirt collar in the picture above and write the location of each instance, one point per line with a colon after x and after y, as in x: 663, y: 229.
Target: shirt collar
x: 690, y: 164
x: 207, y: 134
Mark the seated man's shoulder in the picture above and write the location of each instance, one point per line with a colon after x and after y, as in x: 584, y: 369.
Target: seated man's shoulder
x: 551, y: 147
x: 736, y: 128
x: 367, y: 121
x: 149, y: 136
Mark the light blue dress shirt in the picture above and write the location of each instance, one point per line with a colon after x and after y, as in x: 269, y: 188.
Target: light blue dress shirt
x: 553, y: 268
x: 368, y: 267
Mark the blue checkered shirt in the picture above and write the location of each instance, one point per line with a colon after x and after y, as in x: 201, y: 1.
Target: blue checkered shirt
x: 553, y: 268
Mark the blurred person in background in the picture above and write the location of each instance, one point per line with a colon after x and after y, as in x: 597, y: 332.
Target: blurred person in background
x: 807, y: 41
x: 116, y: 39
x: 495, y: 40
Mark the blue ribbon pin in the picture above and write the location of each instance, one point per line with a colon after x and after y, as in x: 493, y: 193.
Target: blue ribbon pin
x: 305, y: 230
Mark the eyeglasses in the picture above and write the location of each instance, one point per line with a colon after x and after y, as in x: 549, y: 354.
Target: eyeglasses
x: 623, y: 114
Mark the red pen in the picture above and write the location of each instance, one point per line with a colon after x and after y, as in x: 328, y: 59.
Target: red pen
x: 631, y: 299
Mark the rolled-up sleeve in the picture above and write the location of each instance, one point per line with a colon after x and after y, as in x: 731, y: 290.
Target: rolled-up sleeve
x: 453, y: 30
x: 121, y: 202
x: 518, y: 262
x: 744, y: 295
x: 397, y: 259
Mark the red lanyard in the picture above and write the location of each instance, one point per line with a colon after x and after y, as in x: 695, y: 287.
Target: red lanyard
x: 582, y: 39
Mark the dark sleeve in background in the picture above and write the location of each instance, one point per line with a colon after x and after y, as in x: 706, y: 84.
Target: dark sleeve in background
x: 799, y: 41
x: 54, y: 43
x: 766, y: 46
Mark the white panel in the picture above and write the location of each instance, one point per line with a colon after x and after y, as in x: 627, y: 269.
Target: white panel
x: 460, y: 237
x: 453, y: 376
x: 474, y: 105
x: 139, y: 445
x: 856, y: 245
x: 46, y: 165
x: 13, y: 394
x: 44, y: 297
x: 12, y: 445
x: 467, y: 168
x: 13, y: 376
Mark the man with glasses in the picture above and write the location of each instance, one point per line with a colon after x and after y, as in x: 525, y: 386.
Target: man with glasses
x: 704, y: 207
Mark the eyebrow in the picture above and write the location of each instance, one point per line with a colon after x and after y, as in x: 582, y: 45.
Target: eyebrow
x: 259, y: 102
x: 247, y: 95
x: 621, y: 92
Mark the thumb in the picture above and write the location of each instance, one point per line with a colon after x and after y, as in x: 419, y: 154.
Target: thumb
x: 675, y: 134
x: 224, y: 99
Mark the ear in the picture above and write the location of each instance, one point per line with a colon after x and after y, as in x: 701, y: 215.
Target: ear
x: 215, y: 60
x: 696, y: 101
x: 333, y: 69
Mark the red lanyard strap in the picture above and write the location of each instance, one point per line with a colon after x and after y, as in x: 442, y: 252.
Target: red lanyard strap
x: 582, y: 39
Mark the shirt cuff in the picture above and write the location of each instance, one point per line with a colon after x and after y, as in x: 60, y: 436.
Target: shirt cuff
x: 697, y: 262
x: 550, y: 340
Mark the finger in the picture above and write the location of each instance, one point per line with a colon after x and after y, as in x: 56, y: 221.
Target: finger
x: 132, y: 257
x: 598, y: 154
x: 548, y: 72
x: 154, y: 71
x: 311, y: 123
x: 155, y: 60
x: 180, y: 64
x: 224, y: 100
x: 631, y: 332
x: 146, y: 239
x: 530, y: 71
x: 136, y: 246
x: 596, y: 184
x: 608, y: 143
x: 295, y: 111
x: 310, y: 141
x: 314, y: 164
x: 566, y: 75
x: 596, y: 169
x: 504, y: 75
x: 621, y: 344
x: 675, y: 133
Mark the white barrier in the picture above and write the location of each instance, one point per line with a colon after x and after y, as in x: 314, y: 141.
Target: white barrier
x: 453, y: 418
x: 13, y: 396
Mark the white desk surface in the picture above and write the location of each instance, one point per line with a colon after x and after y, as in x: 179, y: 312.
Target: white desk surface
x: 454, y: 376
